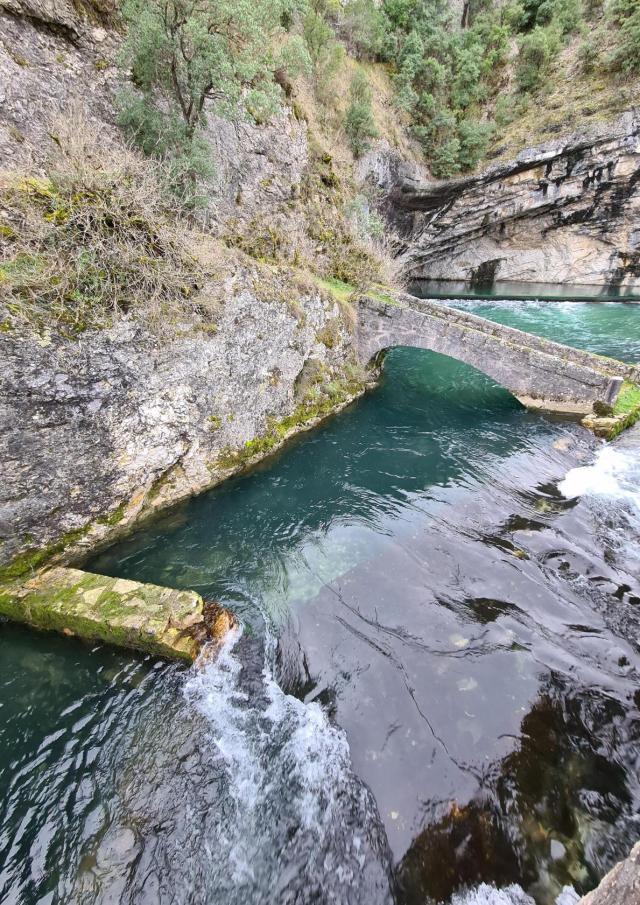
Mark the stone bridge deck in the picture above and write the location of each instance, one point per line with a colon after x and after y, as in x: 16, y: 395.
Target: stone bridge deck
x: 540, y: 373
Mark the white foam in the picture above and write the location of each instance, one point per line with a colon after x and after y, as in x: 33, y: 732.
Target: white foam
x: 490, y: 895
x: 290, y: 786
x: 509, y: 895
x: 614, y: 474
x: 568, y: 896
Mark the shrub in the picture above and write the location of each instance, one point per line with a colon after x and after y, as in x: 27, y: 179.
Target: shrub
x: 467, y: 86
x: 504, y: 111
x: 326, y: 54
x: 186, y: 158
x: 359, y: 123
x: 568, y: 15
x: 445, y: 159
x: 182, y: 55
x: 625, y: 16
x: 364, y: 28
x: 537, y: 49
x: 474, y: 138
x: 588, y: 55
x: 367, y: 223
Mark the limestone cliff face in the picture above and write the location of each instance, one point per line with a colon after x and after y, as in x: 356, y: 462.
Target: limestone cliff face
x: 124, y: 418
x: 121, y: 420
x: 564, y: 212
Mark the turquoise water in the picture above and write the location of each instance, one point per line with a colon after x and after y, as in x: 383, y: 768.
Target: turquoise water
x: 436, y: 684
x: 605, y: 328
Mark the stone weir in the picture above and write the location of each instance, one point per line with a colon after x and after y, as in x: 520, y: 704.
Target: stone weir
x: 542, y: 374
x: 562, y: 212
x: 161, y: 621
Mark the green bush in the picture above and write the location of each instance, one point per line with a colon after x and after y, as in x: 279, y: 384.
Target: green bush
x: 474, y: 137
x: 184, y: 56
x: 467, y: 86
x: 624, y: 15
x: 588, y: 55
x: 537, y: 50
x: 186, y: 157
x: 326, y: 54
x: 359, y: 123
x: 363, y: 26
x: 445, y: 158
x: 504, y: 111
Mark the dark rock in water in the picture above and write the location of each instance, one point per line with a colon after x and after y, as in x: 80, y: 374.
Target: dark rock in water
x: 466, y: 847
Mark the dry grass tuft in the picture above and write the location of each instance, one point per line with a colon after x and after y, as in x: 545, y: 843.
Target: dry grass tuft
x: 93, y: 239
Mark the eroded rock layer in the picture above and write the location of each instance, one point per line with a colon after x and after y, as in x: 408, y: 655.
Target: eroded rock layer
x: 564, y: 212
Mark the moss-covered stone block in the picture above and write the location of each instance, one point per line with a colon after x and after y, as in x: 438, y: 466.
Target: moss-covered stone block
x: 157, y: 620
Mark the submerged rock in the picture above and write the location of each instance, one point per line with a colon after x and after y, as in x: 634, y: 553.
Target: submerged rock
x: 164, y: 621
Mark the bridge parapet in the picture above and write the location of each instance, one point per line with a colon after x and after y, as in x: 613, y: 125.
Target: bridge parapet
x: 541, y: 373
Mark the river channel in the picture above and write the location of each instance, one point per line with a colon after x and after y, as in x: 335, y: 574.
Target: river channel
x: 435, y: 689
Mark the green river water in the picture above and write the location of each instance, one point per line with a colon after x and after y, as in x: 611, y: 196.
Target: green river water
x: 435, y: 686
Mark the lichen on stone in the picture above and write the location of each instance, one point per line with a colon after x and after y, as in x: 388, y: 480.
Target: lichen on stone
x: 157, y: 620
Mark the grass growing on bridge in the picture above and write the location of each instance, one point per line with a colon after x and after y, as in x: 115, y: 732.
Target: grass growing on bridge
x: 626, y: 409
x: 345, y: 292
x: 628, y: 400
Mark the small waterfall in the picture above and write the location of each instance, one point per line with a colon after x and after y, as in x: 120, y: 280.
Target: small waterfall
x: 300, y: 824
x: 614, y: 474
x: 610, y: 488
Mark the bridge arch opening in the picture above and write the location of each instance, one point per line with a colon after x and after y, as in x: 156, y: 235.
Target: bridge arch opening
x: 538, y: 372
x: 444, y: 371
x: 449, y: 380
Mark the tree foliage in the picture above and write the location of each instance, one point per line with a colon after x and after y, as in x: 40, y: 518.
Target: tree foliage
x: 624, y: 15
x: 537, y: 49
x: 359, y: 123
x: 238, y: 57
x: 187, y: 56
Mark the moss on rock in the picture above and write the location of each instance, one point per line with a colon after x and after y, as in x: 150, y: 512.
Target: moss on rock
x: 624, y: 413
x: 162, y: 621
x: 319, y: 402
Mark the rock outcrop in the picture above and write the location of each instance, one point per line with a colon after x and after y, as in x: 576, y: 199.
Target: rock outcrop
x: 565, y: 212
x: 621, y: 886
x: 59, y: 57
x: 121, y: 420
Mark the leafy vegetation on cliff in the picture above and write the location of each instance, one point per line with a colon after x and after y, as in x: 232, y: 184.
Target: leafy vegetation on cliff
x: 186, y: 52
x: 462, y: 82
x: 102, y: 234
x: 459, y: 83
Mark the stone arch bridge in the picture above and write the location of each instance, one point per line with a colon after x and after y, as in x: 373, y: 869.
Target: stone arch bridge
x: 540, y: 373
